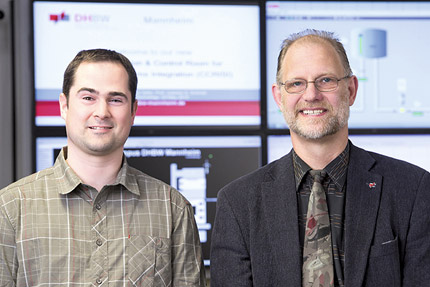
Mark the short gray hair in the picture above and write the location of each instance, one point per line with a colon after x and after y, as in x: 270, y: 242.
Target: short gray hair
x: 313, y: 35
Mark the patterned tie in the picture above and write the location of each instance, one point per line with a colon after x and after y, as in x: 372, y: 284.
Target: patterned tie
x: 317, y: 251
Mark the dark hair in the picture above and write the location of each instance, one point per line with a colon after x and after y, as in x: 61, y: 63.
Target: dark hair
x: 313, y: 35
x: 100, y: 55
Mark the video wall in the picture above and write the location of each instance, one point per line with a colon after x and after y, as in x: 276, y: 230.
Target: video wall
x: 384, y: 52
x: 205, y: 114
x: 197, y: 65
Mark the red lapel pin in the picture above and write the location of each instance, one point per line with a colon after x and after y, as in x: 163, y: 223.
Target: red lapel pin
x: 372, y: 185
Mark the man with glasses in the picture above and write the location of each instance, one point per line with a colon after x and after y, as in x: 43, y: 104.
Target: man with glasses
x: 328, y: 213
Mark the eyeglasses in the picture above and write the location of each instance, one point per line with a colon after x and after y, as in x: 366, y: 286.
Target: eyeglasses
x: 322, y: 84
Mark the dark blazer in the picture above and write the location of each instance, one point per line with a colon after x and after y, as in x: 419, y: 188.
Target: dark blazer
x: 255, y: 240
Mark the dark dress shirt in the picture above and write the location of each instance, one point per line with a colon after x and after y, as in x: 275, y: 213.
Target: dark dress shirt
x: 335, y: 186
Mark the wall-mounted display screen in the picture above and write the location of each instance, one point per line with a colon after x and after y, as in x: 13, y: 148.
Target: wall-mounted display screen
x: 278, y: 146
x: 384, y: 50
x: 411, y: 148
x: 198, y: 166
x: 197, y: 64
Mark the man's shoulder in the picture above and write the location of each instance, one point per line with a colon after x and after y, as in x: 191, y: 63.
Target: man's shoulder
x: 251, y: 182
x: 33, y: 186
x: 385, y: 164
x: 29, y: 181
x: 155, y: 187
x: 143, y: 179
x: 398, y: 175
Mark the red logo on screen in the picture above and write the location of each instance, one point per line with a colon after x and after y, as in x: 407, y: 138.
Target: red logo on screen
x: 59, y: 17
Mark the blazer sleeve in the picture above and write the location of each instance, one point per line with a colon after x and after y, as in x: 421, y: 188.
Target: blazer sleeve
x: 230, y: 259
x: 416, y: 270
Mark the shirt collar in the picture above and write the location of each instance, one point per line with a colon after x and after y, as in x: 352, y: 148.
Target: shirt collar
x: 336, y: 169
x: 70, y: 180
x: 67, y: 178
x: 127, y: 177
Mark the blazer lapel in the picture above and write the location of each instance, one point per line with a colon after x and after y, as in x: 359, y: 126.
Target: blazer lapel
x: 361, y: 210
x: 280, y: 202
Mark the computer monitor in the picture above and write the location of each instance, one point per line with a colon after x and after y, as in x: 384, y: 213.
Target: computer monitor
x: 278, y: 146
x: 413, y: 148
x: 386, y: 52
x: 198, y: 65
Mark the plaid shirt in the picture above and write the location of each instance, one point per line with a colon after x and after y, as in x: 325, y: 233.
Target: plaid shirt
x: 57, y: 231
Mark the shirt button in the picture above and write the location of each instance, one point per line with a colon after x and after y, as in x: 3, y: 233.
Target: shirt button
x: 99, y: 242
x: 98, y: 206
x: 99, y: 281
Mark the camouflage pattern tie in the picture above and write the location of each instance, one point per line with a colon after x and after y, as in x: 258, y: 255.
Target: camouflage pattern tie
x: 317, y: 250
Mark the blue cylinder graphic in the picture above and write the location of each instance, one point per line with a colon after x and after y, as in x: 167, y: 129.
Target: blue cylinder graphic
x: 372, y: 43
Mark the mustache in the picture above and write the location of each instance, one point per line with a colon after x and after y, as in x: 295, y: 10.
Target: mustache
x: 323, y: 106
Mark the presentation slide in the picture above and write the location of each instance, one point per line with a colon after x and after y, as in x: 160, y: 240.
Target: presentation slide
x: 411, y: 148
x: 197, y: 166
x: 384, y: 48
x: 197, y: 65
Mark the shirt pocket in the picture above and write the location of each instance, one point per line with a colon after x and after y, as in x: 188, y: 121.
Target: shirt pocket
x: 149, y: 260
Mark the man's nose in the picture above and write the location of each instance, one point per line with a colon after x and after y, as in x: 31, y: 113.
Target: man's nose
x: 311, y: 93
x: 102, y: 110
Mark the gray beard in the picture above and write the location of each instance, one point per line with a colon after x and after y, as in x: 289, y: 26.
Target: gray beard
x: 332, y: 126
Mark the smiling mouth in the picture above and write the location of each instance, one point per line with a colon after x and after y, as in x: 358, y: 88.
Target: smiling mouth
x: 100, y: 128
x: 312, y: 112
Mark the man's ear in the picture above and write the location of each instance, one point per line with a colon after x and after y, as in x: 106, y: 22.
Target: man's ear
x: 134, y: 110
x: 352, y: 88
x: 63, y: 106
x: 277, y: 95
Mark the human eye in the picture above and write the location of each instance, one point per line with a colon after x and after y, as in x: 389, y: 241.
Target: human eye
x: 294, y: 84
x: 86, y: 95
x: 116, y: 100
x: 297, y: 83
x: 326, y: 80
x: 326, y: 84
x: 87, y: 98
